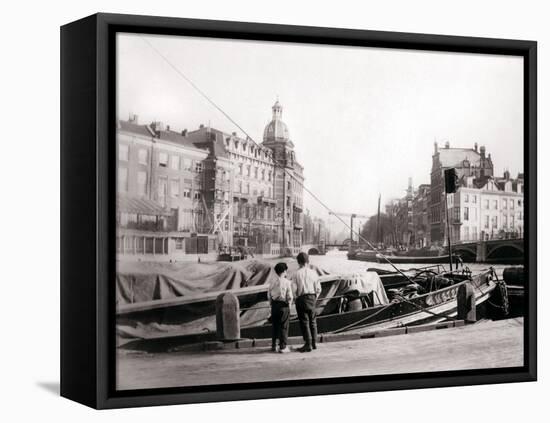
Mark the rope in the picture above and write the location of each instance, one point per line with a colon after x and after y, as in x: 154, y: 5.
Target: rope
x: 276, y: 162
x: 425, y: 310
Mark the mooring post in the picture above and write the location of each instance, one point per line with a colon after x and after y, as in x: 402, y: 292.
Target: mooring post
x: 228, y: 326
x: 466, y: 303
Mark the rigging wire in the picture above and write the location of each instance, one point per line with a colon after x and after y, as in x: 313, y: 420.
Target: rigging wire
x: 275, y: 161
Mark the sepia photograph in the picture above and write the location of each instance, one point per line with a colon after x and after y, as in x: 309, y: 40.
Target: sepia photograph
x: 289, y: 211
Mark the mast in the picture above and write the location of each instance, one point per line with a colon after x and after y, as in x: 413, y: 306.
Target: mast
x: 378, y: 222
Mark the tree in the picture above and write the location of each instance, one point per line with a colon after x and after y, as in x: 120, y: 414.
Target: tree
x: 385, y: 232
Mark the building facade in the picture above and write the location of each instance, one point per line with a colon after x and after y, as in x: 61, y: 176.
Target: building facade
x: 487, y: 208
x: 468, y: 162
x: 420, y: 216
x: 210, y: 182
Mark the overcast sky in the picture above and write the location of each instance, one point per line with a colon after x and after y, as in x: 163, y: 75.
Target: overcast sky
x: 363, y: 120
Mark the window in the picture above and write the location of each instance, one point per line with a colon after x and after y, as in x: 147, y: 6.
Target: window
x: 505, y: 221
x: 504, y: 204
x: 247, y: 189
x: 175, y: 188
x: 263, y: 174
x: 123, y: 152
x: 186, y: 193
x: 175, y: 162
x: 466, y: 198
x: 270, y: 196
x: 495, y: 204
x: 474, y: 199
x: 248, y: 171
x: 456, y: 214
x: 512, y: 222
x: 162, y: 187
x: 162, y: 190
x: 142, y: 182
x: 494, y: 222
x: 487, y: 204
x: 240, y: 169
x: 122, y: 179
x: 198, y: 167
x: 512, y: 204
x: 143, y: 156
x: 187, y: 164
x: 256, y: 172
x: 197, y: 195
x: 269, y: 176
x: 486, y: 222
x: 466, y: 213
x: 163, y: 159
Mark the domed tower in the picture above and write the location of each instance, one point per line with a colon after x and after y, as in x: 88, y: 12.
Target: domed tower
x: 288, y: 180
x: 276, y: 130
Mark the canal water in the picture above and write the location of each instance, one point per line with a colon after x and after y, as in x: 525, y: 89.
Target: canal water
x: 336, y: 261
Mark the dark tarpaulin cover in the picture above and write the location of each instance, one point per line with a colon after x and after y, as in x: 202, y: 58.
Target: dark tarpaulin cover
x: 140, y: 282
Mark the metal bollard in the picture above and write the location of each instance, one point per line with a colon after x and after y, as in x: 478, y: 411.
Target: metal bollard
x: 466, y: 303
x: 228, y: 326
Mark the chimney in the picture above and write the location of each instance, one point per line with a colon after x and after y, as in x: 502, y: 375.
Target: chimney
x: 234, y: 134
x: 133, y: 118
x: 201, y: 126
x: 435, y: 147
x: 184, y: 132
x: 447, y: 144
x: 482, y: 151
x: 475, y: 147
x: 507, y: 175
x: 157, y: 127
x: 168, y: 127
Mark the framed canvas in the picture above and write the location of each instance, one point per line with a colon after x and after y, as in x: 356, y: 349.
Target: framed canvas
x: 258, y: 211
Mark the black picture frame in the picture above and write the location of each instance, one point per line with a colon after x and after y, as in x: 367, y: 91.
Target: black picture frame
x: 88, y: 167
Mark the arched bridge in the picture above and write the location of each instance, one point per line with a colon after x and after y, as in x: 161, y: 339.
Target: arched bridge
x: 313, y: 249
x: 492, y: 251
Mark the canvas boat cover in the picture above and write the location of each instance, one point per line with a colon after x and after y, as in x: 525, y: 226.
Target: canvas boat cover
x: 141, y: 282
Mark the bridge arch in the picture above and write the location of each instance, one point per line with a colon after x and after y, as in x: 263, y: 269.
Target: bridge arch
x: 313, y: 251
x: 511, y: 252
x: 467, y: 254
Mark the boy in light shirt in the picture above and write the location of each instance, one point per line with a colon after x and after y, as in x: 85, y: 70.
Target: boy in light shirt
x: 280, y: 297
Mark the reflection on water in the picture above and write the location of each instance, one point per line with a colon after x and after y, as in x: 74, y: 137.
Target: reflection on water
x: 337, y: 262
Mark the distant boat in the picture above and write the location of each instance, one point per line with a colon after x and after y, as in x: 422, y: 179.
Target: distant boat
x: 421, y: 260
x: 364, y: 255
